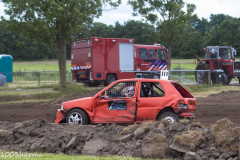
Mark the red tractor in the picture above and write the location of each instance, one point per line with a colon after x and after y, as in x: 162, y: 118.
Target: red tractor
x: 218, y: 58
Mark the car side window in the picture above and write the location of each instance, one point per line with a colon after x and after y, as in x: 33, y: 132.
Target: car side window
x: 143, y: 54
x: 121, y: 90
x: 150, y: 89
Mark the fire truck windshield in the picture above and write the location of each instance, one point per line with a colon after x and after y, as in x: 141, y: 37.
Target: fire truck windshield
x: 160, y: 54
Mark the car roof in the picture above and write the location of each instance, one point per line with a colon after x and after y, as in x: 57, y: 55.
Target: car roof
x: 144, y: 80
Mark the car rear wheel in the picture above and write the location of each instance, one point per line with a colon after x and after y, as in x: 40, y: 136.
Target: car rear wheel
x: 169, y: 116
x: 77, y: 116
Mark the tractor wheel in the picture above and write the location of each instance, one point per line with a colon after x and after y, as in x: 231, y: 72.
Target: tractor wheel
x: 169, y: 116
x: 225, y: 79
x: 229, y: 80
x: 110, y: 79
x: 200, y: 76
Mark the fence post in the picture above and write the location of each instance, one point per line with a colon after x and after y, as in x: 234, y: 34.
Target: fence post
x: 209, y: 77
x: 39, y: 78
x: 179, y: 73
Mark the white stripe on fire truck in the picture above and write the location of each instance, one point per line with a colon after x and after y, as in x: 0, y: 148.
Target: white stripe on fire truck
x: 152, y: 65
x: 160, y: 65
x: 164, y: 66
x: 80, y: 67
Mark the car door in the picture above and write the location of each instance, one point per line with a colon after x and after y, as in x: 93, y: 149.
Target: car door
x: 150, y: 100
x: 116, y: 104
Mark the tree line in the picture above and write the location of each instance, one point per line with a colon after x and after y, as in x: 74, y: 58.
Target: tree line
x: 220, y: 30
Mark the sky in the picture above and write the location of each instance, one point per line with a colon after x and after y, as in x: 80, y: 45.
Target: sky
x: 204, y: 8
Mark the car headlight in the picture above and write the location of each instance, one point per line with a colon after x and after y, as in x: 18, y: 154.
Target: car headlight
x: 61, y: 108
x: 182, y: 106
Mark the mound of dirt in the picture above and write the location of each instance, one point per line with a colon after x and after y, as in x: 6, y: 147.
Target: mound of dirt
x: 147, y: 140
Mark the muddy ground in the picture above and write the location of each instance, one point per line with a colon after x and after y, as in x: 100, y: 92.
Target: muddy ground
x: 209, y: 109
x: 212, y: 135
x: 184, y: 141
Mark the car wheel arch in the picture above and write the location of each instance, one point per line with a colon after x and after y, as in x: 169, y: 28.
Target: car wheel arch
x: 165, y: 109
x: 82, y: 110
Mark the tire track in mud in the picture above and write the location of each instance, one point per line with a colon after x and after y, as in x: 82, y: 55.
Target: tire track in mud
x: 209, y: 109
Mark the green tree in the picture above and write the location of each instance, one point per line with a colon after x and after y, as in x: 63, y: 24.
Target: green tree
x: 188, y: 43
x: 228, y: 29
x: 143, y: 33
x: 52, y: 22
x: 202, y: 25
x: 168, y: 15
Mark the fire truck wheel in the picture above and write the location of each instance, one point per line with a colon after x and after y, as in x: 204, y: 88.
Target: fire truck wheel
x: 110, y: 79
x: 225, y: 79
x: 77, y: 116
x: 200, y: 76
x: 169, y: 116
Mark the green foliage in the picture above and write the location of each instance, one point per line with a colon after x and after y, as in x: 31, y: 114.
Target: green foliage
x: 52, y: 22
x: 168, y: 15
x: 191, y: 43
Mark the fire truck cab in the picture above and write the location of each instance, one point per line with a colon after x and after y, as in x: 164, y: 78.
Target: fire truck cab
x: 95, y: 60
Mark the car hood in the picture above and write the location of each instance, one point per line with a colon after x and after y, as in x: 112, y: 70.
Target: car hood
x: 84, y: 103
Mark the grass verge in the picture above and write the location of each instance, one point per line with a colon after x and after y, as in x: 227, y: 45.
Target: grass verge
x: 8, y: 155
x: 206, y: 90
x: 53, y: 92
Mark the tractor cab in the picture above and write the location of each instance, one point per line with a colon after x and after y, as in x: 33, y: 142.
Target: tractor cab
x: 220, y: 52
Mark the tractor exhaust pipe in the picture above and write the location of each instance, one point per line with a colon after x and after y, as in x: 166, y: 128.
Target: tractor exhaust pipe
x: 198, y: 59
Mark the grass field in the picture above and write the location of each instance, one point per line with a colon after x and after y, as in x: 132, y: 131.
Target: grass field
x: 52, y: 65
x: 47, y: 156
x: 49, y: 65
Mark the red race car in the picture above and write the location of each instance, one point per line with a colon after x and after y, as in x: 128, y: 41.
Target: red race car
x: 131, y: 101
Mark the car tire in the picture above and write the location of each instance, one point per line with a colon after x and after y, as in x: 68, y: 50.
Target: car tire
x: 169, y: 116
x: 110, y: 79
x: 77, y: 116
x: 225, y: 79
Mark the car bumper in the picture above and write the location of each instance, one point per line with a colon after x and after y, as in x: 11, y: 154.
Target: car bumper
x: 187, y: 115
x: 59, y: 116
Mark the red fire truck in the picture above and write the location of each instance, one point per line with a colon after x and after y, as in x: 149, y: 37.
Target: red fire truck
x: 95, y: 60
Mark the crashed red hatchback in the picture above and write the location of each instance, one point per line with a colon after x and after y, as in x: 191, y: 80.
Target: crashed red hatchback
x: 131, y: 101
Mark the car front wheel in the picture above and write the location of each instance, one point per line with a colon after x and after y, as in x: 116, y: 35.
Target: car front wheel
x: 77, y: 116
x: 169, y: 116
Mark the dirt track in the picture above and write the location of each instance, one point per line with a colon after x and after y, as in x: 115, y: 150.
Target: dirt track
x: 182, y: 141
x: 209, y: 109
